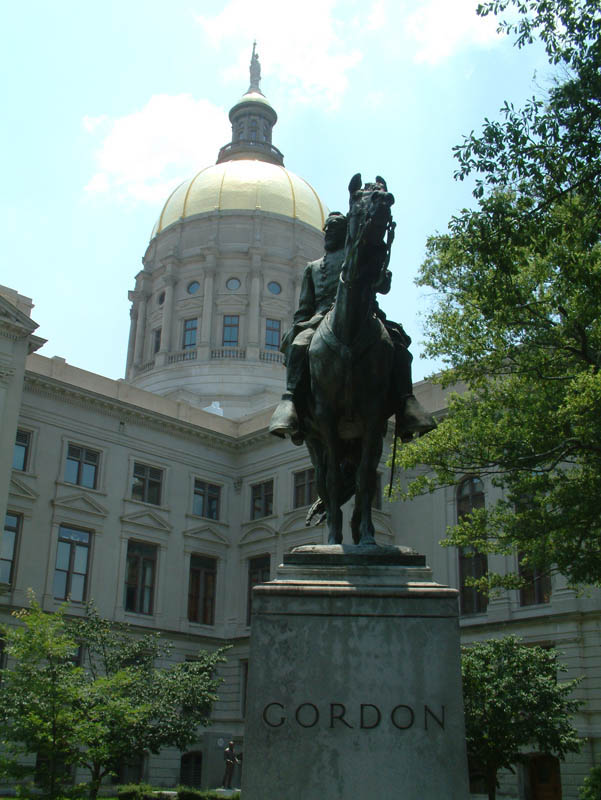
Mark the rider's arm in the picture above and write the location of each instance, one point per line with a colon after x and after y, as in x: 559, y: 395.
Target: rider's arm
x: 306, y: 301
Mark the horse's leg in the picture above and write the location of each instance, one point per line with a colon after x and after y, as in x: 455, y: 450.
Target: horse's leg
x: 355, y: 522
x: 333, y: 481
x: 366, y: 481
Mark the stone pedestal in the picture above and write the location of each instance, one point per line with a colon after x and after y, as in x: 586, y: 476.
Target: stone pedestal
x: 354, y: 689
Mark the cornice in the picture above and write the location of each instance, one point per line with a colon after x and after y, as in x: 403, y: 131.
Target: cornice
x: 51, y: 388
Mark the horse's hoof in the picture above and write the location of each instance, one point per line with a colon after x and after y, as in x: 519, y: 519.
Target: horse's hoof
x: 367, y: 541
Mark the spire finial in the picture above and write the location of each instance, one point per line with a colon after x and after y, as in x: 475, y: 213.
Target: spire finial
x: 255, y: 71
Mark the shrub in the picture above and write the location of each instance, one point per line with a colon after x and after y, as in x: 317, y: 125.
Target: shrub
x: 591, y: 788
x: 135, y: 791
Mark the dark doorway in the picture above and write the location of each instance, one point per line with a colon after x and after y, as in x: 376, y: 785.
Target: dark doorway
x: 190, y: 772
x: 545, y: 778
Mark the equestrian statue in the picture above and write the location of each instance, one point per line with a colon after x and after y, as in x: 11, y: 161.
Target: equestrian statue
x: 348, y: 368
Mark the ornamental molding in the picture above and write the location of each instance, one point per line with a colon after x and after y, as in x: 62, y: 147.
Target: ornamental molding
x: 231, y: 302
x: 18, y: 488
x: 146, y: 519
x: 295, y: 521
x: 14, y: 323
x: 81, y: 503
x: 269, y: 306
x: 258, y: 533
x: 206, y: 534
x: 128, y: 413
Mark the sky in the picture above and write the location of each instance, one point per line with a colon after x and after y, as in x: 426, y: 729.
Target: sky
x: 108, y: 106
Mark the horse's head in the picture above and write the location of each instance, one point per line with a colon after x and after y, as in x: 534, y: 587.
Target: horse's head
x: 370, y: 216
x: 370, y: 226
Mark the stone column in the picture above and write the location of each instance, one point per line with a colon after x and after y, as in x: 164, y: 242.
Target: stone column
x: 167, y: 325
x: 142, y: 298
x: 354, y: 686
x: 206, y: 325
x: 254, y: 307
x: 133, y: 315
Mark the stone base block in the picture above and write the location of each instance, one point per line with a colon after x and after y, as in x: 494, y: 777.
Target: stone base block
x: 354, y: 688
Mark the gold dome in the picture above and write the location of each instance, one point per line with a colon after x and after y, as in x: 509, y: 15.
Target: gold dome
x: 244, y: 185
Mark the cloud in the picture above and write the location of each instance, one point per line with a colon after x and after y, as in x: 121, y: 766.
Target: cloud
x: 440, y: 28
x: 91, y: 123
x: 308, y: 53
x: 147, y: 153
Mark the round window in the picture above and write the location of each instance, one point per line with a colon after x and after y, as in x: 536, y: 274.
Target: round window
x: 274, y: 287
x: 161, y: 298
x: 232, y: 284
x: 193, y: 287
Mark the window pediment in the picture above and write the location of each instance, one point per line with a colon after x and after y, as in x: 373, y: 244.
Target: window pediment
x: 207, y: 534
x: 20, y: 489
x: 82, y: 503
x: 146, y: 519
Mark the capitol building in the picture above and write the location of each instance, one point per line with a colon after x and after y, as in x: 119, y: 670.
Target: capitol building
x: 163, y: 497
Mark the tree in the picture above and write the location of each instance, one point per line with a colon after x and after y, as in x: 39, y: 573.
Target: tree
x: 517, y: 319
x: 117, y: 706
x: 512, y: 702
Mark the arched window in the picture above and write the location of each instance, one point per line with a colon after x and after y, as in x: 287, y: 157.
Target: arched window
x: 470, y: 495
x: 190, y: 770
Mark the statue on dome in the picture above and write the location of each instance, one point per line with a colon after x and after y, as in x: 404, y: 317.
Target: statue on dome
x: 359, y: 353
x: 255, y: 71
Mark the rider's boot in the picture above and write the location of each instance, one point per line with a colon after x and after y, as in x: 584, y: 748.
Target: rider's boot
x: 284, y: 421
x: 414, y: 418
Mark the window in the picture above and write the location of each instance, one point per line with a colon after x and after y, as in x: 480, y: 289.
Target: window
x: 274, y: 287
x: 72, y: 559
x: 470, y: 496
x: 201, y: 591
x: 258, y: 572
x: 156, y: 340
x: 232, y: 284
x: 140, y: 576
x: 193, y: 287
x: 12, y: 527
x: 21, y: 451
x: 272, y: 334
x: 190, y: 770
x: 304, y: 488
x: 189, y: 337
x: 146, y: 485
x: 261, y: 500
x: 538, y: 587
x: 231, y: 328
x: 206, y: 499
x: 81, y: 466
x: 252, y: 131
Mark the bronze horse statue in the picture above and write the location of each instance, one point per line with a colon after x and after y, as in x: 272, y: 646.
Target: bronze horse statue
x: 350, y: 365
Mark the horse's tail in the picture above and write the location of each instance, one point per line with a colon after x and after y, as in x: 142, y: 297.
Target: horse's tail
x: 392, y: 464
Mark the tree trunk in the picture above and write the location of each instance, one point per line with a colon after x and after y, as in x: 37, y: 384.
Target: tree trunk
x: 94, y: 785
x: 491, y: 782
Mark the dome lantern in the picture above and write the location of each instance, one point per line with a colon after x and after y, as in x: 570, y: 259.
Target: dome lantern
x: 252, y: 121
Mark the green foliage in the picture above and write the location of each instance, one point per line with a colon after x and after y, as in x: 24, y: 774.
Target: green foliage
x: 119, y: 706
x: 188, y: 793
x: 516, y: 318
x: 591, y: 788
x: 512, y: 702
x: 134, y: 791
